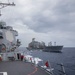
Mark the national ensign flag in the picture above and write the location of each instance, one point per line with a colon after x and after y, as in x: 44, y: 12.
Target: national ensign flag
x: 46, y: 64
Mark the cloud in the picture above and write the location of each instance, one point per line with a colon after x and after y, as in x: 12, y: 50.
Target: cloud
x: 52, y: 19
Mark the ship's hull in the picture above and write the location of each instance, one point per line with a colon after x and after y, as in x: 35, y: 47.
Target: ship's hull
x: 53, y: 48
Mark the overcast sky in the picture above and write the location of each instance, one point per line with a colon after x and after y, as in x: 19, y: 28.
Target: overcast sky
x: 45, y: 20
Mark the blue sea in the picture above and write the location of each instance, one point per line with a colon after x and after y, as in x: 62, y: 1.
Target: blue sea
x: 67, y: 57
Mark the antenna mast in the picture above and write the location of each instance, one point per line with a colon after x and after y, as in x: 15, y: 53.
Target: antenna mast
x: 2, y: 5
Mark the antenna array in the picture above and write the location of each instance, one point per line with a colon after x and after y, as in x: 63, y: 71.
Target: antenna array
x: 2, y: 5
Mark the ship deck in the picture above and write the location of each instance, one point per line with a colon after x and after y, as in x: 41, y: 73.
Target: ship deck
x: 20, y: 68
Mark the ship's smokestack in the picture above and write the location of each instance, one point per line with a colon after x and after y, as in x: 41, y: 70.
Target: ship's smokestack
x: 54, y: 43
x: 33, y: 39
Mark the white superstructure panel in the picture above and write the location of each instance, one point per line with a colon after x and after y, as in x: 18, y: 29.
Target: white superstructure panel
x: 9, y: 36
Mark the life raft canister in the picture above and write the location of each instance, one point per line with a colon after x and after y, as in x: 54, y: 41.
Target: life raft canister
x: 0, y: 58
x: 3, y: 48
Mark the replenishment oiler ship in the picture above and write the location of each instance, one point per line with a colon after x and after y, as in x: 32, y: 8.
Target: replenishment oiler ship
x: 53, y: 48
x: 35, y: 45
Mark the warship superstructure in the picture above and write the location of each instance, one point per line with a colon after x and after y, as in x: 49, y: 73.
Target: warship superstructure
x: 35, y: 45
x: 8, y: 41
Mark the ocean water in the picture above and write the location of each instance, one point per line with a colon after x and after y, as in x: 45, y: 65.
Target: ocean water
x: 67, y: 57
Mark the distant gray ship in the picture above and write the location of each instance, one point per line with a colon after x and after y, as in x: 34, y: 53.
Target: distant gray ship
x: 35, y: 45
x: 53, y: 48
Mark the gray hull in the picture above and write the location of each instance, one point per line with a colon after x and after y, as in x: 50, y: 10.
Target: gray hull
x: 53, y: 48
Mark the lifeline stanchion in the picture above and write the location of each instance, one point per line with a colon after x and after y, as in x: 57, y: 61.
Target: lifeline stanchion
x: 50, y: 68
x: 62, y: 69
